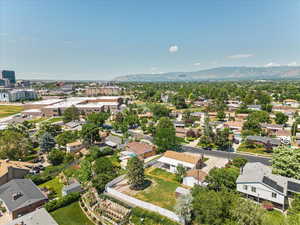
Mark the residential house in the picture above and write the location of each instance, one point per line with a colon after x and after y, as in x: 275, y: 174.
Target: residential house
x: 74, y: 147
x: 10, y: 170
x: 141, y: 149
x: 240, y: 116
x: 114, y: 141
x: 37, y: 217
x: 287, y: 110
x: 234, y: 125
x: 257, y: 182
x: 254, y: 107
x: 291, y: 102
x: 21, y: 196
x: 73, y: 125
x: 284, y: 136
x: 194, y: 177
x: 74, y: 186
x: 179, y: 124
x: 171, y: 159
x: 271, y: 129
x: 269, y: 143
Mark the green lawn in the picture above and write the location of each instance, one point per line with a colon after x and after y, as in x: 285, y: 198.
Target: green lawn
x: 255, y: 150
x: 71, y: 215
x: 8, y: 110
x: 273, y: 218
x: 53, y: 184
x: 163, y: 174
x: 54, y: 119
x: 161, y: 192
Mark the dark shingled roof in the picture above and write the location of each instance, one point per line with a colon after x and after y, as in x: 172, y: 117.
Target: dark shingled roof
x: 30, y: 194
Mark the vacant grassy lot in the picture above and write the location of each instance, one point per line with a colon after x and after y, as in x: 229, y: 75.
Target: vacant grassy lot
x: 162, y: 190
x: 54, y: 185
x: 8, y: 110
x: 71, y: 215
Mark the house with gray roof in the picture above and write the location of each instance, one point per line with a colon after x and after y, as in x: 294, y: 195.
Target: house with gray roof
x: 114, y: 141
x: 256, y: 181
x: 37, y: 217
x: 21, y: 196
x: 71, y: 188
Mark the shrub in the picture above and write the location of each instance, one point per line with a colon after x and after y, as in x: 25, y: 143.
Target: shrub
x: 267, y: 205
x: 61, y: 202
x: 138, y: 213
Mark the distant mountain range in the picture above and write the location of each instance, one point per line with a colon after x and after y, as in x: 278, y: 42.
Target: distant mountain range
x: 220, y: 74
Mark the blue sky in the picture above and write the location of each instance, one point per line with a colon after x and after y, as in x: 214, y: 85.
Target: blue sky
x: 101, y: 39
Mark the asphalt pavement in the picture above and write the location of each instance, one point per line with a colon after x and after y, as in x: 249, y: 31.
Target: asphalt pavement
x: 228, y: 155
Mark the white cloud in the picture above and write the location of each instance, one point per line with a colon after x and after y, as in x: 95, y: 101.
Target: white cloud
x: 240, y: 56
x: 292, y: 64
x: 173, y: 49
x: 271, y: 64
x: 197, y: 64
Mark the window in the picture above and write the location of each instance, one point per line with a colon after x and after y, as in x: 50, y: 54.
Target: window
x: 274, y: 195
x: 253, y: 189
x: 245, y: 187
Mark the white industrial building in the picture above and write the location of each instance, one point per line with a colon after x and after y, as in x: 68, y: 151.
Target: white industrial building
x: 14, y: 95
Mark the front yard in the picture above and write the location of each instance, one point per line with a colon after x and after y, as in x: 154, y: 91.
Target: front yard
x: 261, y: 150
x: 71, y: 214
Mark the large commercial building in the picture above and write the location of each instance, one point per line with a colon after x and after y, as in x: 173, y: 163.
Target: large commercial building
x: 85, y: 105
x: 14, y: 95
x: 105, y: 90
x: 8, y: 78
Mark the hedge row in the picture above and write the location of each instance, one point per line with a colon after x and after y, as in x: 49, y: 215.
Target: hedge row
x: 61, y: 202
x: 149, y: 218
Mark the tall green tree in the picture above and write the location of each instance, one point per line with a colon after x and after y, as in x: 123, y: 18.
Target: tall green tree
x: 66, y: 137
x: 14, y: 145
x: 135, y: 173
x: 47, y: 142
x: 286, y: 162
x: 70, y: 114
x: 56, y: 157
x: 184, y: 207
x: 98, y: 118
x: 281, y: 118
x: 90, y: 133
x: 165, y: 135
x: 222, y: 178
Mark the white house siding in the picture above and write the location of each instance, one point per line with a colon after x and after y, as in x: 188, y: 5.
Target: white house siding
x: 189, y: 181
x: 262, y: 191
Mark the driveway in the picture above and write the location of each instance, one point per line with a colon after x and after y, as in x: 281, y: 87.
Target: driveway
x: 214, y: 162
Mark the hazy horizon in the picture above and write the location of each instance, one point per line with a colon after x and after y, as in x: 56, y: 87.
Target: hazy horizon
x: 100, y: 40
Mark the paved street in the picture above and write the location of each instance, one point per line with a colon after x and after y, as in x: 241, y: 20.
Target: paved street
x: 228, y: 155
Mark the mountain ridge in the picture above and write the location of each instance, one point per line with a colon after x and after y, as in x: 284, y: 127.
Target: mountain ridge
x: 219, y: 74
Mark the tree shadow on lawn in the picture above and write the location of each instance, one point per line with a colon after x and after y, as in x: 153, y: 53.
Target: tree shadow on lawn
x: 146, y: 184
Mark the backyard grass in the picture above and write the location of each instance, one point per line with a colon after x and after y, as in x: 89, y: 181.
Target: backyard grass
x: 273, y: 218
x: 8, y: 110
x: 71, y: 215
x: 160, y: 173
x: 162, y: 190
x: 54, y: 185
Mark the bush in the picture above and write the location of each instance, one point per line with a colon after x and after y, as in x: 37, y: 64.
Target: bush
x: 61, y: 202
x: 267, y: 205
